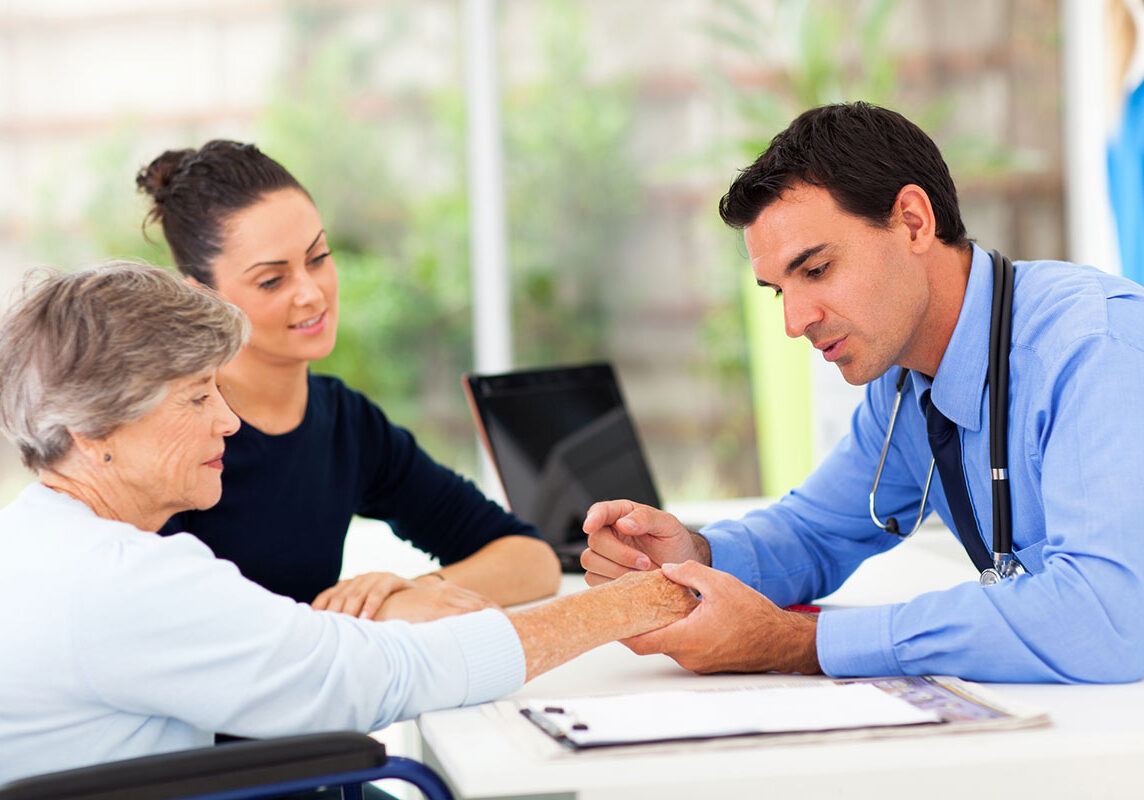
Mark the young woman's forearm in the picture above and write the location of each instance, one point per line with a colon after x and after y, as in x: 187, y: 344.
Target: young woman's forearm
x: 509, y: 570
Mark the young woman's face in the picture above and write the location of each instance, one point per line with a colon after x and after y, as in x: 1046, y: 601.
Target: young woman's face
x: 276, y: 266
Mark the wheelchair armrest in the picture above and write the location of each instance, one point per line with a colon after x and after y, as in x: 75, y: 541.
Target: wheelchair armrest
x: 212, y: 769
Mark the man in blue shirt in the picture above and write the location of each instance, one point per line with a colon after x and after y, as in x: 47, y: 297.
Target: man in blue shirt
x: 852, y: 217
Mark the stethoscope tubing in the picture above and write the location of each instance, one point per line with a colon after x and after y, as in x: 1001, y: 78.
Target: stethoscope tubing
x: 891, y: 524
x: 1000, y: 339
x: 1000, y: 334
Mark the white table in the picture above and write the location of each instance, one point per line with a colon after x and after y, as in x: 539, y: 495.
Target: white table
x: 1094, y: 748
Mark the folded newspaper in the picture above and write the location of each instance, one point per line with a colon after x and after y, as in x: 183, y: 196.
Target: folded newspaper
x: 816, y: 711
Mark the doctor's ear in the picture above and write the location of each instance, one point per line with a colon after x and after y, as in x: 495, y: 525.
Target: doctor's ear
x: 912, y: 209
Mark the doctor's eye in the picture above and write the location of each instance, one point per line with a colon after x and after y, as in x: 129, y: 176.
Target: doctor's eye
x: 817, y: 272
x: 764, y: 285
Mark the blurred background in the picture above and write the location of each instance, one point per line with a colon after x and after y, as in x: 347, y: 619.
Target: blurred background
x: 621, y: 123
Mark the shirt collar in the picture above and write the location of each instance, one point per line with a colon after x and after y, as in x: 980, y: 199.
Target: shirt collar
x: 960, y: 379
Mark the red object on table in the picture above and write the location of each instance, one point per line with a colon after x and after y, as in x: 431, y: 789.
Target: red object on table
x: 804, y: 609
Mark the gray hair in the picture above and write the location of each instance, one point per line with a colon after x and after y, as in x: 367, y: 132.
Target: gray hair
x: 92, y: 350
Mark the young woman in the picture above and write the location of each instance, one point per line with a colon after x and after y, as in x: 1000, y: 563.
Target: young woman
x: 311, y: 453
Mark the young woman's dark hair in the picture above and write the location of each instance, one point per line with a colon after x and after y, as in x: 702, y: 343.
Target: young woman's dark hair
x: 194, y: 191
x: 862, y: 154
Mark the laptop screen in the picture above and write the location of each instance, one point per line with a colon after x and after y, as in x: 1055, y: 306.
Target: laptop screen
x: 561, y: 439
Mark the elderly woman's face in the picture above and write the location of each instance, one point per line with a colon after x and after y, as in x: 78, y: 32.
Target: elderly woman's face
x: 171, y: 459
x: 276, y: 266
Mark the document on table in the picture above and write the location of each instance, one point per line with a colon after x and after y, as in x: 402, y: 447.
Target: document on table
x: 666, y: 716
x: 868, y: 705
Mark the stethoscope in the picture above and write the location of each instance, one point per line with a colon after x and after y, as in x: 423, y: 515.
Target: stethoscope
x: 1005, y: 564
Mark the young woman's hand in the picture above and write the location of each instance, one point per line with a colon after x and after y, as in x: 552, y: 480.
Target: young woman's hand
x: 362, y: 595
x: 431, y: 597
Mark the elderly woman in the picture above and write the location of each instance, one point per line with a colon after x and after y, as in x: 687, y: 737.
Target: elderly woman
x: 120, y: 642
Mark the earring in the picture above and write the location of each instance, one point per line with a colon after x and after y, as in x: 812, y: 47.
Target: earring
x: 106, y: 457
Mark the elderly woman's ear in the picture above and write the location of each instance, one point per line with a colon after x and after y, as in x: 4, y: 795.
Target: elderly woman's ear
x: 93, y: 452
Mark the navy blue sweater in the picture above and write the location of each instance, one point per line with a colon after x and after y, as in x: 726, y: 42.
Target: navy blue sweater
x: 287, y: 500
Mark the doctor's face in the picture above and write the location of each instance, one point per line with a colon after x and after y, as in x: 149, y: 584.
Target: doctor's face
x: 846, y: 285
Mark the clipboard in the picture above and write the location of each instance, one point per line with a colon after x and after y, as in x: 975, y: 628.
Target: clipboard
x: 655, y: 717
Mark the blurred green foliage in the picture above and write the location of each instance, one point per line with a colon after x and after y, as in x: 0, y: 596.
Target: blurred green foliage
x: 400, y: 234
x: 795, y: 54
x: 383, y: 157
x: 386, y: 169
x: 789, y: 56
x: 111, y: 223
x: 572, y: 191
x: 815, y: 52
x: 829, y: 52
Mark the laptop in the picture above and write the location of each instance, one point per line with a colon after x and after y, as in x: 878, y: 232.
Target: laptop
x: 561, y: 439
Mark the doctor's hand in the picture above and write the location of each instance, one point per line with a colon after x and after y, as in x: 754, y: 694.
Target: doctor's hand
x: 630, y: 537
x: 733, y: 629
x: 431, y: 597
x: 362, y: 595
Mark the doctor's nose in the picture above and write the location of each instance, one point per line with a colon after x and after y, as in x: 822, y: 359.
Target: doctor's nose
x: 799, y: 314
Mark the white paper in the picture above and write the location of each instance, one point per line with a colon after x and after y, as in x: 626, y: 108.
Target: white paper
x: 664, y: 716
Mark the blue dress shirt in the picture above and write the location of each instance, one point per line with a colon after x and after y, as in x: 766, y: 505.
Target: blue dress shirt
x: 1076, y: 469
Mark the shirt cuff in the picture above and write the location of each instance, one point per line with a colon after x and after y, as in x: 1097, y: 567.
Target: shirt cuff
x: 493, y: 655
x: 856, y: 642
x: 731, y: 552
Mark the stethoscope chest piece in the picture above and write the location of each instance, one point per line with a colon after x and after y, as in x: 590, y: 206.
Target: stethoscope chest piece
x: 989, y: 577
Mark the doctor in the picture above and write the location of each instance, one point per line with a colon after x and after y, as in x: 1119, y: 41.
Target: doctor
x: 851, y: 218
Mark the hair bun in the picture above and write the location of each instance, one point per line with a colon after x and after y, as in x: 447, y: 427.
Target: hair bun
x: 194, y: 192
x: 155, y: 179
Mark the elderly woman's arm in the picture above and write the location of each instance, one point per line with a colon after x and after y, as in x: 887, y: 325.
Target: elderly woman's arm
x: 166, y: 629
x: 563, y: 629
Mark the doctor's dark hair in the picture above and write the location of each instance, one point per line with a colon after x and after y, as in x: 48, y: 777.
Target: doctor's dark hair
x: 862, y: 154
x: 194, y: 191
